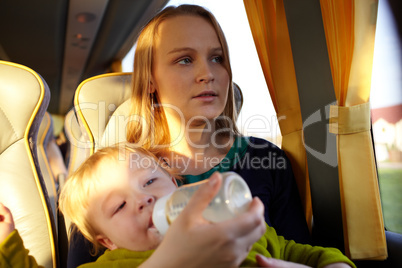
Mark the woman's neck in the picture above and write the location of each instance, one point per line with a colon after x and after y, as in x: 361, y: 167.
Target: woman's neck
x: 196, y: 148
x: 190, y: 139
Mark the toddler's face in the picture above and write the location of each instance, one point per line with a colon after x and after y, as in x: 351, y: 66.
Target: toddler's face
x: 122, y: 206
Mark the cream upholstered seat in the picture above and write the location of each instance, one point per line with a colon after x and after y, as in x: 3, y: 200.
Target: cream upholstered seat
x: 99, y: 100
x: 78, y: 149
x: 96, y: 101
x: 24, y: 98
x: 45, y: 134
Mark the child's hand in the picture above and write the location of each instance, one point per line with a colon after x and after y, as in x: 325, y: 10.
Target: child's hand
x: 6, y: 222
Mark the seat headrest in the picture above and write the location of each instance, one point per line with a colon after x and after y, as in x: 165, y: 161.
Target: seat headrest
x: 96, y: 99
x: 24, y: 98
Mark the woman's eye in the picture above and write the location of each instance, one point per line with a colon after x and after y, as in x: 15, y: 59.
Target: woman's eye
x: 217, y: 59
x: 184, y: 61
x: 149, y: 182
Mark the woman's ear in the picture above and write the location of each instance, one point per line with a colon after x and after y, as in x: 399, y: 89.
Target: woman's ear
x: 152, y: 87
x: 106, y: 242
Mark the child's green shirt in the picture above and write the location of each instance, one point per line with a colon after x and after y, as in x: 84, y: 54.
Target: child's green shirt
x: 13, y: 254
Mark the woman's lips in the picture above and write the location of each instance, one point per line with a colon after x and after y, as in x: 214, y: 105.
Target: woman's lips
x: 206, y: 96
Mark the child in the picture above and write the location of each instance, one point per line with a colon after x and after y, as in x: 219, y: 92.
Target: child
x: 110, y: 199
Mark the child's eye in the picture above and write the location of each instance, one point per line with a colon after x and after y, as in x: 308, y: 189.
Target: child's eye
x: 149, y: 182
x: 120, y: 207
x: 184, y: 61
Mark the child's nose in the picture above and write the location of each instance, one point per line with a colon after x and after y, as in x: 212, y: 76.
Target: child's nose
x: 145, y: 201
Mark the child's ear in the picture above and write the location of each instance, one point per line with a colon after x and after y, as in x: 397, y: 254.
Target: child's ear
x: 106, y: 242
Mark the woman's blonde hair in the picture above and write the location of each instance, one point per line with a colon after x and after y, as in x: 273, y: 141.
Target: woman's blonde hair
x: 147, y: 127
x: 76, y: 193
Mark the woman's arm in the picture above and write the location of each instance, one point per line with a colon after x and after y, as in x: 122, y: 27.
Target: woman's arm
x: 191, y: 241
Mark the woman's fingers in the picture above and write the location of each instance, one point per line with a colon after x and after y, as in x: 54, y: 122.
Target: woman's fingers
x: 251, y: 219
x: 248, y: 227
x: 275, y: 263
x: 243, y: 230
x: 203, y: 196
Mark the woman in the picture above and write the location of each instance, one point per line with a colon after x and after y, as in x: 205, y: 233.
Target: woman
x: 183, y: 90
x: 182, y: 108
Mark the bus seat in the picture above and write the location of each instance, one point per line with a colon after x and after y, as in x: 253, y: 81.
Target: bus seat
x: 394, y: 246
x: 56, y: 162
x: 77, y: 150
x: 24, y: 98
x: 238, y: 96
x: 45, y: 134
x: 53, y: 169
x: 95, y: 101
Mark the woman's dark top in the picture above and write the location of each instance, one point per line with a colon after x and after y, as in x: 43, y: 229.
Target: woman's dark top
x: 268, y: 173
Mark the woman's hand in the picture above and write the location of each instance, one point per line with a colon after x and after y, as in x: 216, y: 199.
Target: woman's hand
x: 191, y: 241
x: 6, y: 222
x: 275, y: 263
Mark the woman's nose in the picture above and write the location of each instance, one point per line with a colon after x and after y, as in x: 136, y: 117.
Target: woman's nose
x: 205, y: 74
x: 145, y: 201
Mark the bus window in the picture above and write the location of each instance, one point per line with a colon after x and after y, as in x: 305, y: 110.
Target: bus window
x: 386, y: 104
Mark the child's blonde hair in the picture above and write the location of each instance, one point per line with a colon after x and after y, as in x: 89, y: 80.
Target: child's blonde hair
x: 75, y: 195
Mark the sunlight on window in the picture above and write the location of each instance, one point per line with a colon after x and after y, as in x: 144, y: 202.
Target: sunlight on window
x: 386, y: 103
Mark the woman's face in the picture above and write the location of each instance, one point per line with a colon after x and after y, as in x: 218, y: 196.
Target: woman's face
x: 188, y: 68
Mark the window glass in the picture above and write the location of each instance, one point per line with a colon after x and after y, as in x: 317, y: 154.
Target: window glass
x: 386, y: 103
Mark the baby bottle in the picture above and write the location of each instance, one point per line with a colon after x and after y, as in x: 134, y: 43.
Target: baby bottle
x: 233, y: 198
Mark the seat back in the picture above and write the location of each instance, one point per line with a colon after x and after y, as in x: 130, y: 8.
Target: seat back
x: 238, y: 96
x: 24, y: 97
x: 45, y: 134
x: 78, y: 149
x: 96, y: 99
